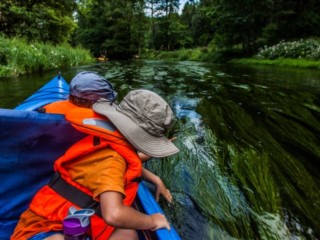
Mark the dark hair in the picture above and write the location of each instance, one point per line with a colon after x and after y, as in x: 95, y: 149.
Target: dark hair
x: 81, y: 102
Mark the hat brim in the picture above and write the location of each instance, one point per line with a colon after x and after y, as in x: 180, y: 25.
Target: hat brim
x: 139, y: 138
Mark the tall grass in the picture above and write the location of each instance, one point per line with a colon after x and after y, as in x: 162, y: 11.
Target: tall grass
x: 19, y: 57
x: 305, y: 63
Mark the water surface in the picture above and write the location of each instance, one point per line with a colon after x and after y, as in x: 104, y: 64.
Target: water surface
x: 249, y: 138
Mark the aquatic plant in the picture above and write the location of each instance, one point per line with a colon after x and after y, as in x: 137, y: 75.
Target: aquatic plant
x: 243, y: 169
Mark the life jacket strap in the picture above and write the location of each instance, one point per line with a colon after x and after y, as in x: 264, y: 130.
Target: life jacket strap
x: 73, y: 194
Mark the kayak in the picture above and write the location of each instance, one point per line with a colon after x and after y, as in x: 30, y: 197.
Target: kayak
x: 30, y: 142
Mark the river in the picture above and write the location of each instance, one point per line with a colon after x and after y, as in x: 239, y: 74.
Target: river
x: 249, y: 138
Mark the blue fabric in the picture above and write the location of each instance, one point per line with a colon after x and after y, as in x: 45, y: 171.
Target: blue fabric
x: 42, y: 235
x: 30, y: 143
x: 91, y: 86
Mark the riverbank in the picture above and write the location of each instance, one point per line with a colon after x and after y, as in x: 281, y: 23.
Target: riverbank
x: 204, y: 55
x: 17, y: 57
x: 304, y: 53
x: 303, y: 63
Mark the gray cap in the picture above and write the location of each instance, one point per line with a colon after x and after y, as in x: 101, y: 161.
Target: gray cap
x: 142, y: 117
x: 91, y: 86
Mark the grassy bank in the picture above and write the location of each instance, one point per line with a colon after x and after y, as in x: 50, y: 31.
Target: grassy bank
x: 178, y: 55
x: 302, y: 53
x: 205, y: 55
x: 19, y: 57
x: 279, y: 62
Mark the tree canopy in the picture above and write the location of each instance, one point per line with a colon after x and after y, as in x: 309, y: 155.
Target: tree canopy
x: 42, y: 20
x: 124, y: 28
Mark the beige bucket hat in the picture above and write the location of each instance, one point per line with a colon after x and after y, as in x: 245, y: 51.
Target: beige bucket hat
x: 142, y: 117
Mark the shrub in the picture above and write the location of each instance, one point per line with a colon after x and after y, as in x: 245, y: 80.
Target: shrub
x: 307, y: 49
x: 18, y: 56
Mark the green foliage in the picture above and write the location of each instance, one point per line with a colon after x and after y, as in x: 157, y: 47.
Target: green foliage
x: 111, y: 27
x: 307, y: 49
x: 197, y: 54
x: 279, y: 62
x: 122, y: 28
x: 178, y: 55
x: 46, y: 21
x: 251, y: 152
x: 19, y: 57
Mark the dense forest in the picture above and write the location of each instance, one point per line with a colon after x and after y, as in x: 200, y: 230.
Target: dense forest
x: 127, y: 28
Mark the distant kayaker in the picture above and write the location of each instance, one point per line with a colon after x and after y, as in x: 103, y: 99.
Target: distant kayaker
x: 102, y: 171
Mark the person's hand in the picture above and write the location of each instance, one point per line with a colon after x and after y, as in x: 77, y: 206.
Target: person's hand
x: 160, y: 221
x: 161, y: 189
x: 173, y: 139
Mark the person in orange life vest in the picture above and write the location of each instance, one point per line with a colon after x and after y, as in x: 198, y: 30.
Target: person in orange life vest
x: 139, y: 112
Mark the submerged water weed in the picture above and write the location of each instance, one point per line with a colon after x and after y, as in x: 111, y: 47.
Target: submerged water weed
x: 257, y: 148
x: 257, y: 177
x: 194, y: 173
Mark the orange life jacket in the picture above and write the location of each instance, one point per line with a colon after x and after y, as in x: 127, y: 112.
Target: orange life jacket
x: 49, y: 204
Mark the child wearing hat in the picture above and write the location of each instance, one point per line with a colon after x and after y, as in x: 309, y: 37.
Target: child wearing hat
x: 106, y: 173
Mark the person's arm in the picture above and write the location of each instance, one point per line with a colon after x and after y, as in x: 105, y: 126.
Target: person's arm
x: 143, y: 157
x: 160, y: 187
x: 120, y: 216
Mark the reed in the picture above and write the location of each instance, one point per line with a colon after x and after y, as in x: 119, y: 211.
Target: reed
x: 20, y: 57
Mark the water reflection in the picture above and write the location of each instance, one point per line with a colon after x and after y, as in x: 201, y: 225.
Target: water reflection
x: 249, y: 139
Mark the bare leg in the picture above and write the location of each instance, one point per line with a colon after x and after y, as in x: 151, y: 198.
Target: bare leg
x: 57, y: 236
x: 124, y: 234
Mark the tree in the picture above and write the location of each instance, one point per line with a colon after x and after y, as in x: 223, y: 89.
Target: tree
x: 112, y: 27
x: 166, y: 11
x: 47, y: 21
x: 239, y: 23
x: 151, y: 9
x: 138, y: 26
x: 292, y: 19
x: 199, y: 19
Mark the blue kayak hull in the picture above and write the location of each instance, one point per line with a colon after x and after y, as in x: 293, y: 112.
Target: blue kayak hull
x: 30, y: 143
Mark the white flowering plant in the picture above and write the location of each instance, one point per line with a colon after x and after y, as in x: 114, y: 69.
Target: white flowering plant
x: 304, y: 49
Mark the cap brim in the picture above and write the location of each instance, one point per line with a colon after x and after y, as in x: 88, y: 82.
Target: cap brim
x: 140, y: 139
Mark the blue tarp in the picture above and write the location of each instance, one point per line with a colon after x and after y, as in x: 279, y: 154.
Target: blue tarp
x: 29, y: 144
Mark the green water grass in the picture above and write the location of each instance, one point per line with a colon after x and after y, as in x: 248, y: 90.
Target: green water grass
x: 246, y: 171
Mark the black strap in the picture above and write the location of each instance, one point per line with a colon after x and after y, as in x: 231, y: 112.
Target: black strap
x: 73, y: 194
x: 96, y: 141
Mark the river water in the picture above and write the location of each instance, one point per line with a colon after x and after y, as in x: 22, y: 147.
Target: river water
x: 249, y: 138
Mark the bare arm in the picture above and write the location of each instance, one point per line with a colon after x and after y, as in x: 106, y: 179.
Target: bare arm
x: 161, y: 189
x: 120, y: 216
